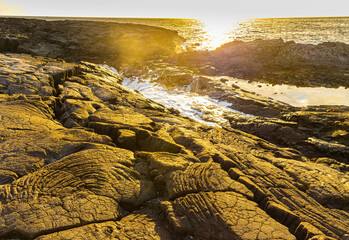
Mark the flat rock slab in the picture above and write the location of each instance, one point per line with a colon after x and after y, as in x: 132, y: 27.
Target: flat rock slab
x: 29, y: 75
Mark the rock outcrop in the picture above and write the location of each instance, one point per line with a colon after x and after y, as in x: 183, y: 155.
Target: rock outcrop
x: 275, y: 61
x: 316, y: 131
x: 178, y: 76
x: 98, y: 42
x: 84, y: 157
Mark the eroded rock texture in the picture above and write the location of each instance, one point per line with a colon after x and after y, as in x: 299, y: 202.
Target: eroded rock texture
x: 91, y: 159
x: 318, y: 132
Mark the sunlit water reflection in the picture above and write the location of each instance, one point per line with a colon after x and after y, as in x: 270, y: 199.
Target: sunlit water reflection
x: 296, y: 96
x: 188, y: 104
x: 211, y: 111
x: 200, y: 108
x: 211, y: 33
x: 300, y: 30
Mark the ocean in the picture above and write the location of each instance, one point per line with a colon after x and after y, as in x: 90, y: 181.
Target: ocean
x: 208, y: 35
x: 205, y: 35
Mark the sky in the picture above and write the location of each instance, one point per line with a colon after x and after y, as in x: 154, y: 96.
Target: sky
x: 201, y: 9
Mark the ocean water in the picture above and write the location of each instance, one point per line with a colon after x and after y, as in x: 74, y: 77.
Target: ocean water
x: 204, y: 34
x: 200, y: 108
x: 296, y: 96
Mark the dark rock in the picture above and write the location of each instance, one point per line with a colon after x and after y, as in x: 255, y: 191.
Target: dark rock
x: 8, y: 44
x: 173, y: 77
x: 127, y: 139
x: 87, y: 40
x: 276, y: 61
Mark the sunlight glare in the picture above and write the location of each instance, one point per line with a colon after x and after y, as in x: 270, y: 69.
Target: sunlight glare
x: 219, y: 31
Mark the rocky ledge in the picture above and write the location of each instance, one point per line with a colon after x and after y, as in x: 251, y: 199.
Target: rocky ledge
x: 98, y: 42
x: 275, y: 61
x: 83, y: 157
x: 315, y: 131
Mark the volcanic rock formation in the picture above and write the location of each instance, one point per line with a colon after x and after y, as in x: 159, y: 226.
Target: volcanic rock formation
x: 86, y: 40
x: 83, y: 157
x: 275, y: 61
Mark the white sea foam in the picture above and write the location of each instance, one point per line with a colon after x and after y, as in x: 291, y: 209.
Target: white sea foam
x: 199, y: 108
x: 210, y: 111
x: 187, y: 103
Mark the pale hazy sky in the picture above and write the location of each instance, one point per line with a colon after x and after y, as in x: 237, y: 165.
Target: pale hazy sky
x: 219, y: 9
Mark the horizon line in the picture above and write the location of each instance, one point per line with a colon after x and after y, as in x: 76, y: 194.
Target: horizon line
x: 188, y: 18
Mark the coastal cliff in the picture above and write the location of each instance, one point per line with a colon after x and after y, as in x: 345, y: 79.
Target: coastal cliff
x: 83, y: 157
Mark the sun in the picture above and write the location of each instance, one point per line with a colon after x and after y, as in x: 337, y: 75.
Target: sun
x: 219, y: 31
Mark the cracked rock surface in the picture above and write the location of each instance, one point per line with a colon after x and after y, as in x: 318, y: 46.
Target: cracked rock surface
x: 83, y: 157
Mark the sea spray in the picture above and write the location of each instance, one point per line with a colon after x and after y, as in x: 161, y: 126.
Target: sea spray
x: 200, y: 108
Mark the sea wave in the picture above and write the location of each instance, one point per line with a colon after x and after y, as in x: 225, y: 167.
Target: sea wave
x: 200, y: 108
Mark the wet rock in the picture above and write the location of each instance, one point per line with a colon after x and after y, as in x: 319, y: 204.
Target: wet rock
x: 240, y: 100
x: 315, y: 131
x: 173, y: 77
x: 199, y: 84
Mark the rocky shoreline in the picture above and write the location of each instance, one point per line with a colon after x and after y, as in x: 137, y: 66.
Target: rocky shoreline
x: 275, y: 62
x: 96, y: 42
x: 83, y: 157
